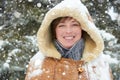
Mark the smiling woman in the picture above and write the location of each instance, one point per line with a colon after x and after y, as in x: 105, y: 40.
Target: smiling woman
x: 67, y: 37
x: 71, y: 46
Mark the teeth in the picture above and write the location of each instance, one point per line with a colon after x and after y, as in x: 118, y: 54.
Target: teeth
x: 69, y: 37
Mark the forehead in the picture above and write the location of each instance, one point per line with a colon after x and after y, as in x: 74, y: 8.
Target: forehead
x: 67, y: 19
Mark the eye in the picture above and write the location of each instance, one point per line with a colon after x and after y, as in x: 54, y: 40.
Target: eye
x: 61, y: 25
x: 75, y: 24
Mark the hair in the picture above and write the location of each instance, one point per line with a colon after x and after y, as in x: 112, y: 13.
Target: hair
x: 54, y: 24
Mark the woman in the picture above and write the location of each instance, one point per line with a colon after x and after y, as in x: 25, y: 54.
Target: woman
x: 70, y: 45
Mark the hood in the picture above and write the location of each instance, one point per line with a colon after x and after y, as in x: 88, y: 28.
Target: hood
x: 94, y: 44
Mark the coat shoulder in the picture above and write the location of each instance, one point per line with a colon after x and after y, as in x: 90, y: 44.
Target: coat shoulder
x: 35, y: 65
x: 99, y: 68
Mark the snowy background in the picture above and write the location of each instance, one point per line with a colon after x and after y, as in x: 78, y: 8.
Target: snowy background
x: 20, y: 20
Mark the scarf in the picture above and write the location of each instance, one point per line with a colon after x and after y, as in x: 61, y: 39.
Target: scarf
x: 75, y: 52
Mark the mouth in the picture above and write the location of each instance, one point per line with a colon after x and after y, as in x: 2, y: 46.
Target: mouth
x: 69, y: 37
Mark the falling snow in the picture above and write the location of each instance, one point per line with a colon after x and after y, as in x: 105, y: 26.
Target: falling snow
x: 112, y: 14
x: 39, y: 5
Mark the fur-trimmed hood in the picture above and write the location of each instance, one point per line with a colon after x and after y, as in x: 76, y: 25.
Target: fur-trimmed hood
x: 94, y: 44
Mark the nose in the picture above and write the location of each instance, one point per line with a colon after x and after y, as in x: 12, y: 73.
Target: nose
x: 68, y: 29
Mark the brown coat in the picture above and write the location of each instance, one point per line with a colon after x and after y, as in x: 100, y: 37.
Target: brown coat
x: 63, y: 69
x: 67, y: 69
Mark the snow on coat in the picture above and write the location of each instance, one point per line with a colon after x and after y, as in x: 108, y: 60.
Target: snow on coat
x: 47, y: 64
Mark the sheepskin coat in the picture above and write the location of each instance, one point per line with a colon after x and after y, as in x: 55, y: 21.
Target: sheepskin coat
x: 48, y: 64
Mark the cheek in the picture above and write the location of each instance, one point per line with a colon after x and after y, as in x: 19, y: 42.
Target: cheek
x: 78, y: 31
x: 58, y: 33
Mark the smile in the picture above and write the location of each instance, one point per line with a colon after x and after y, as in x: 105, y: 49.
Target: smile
x: 69, y: 37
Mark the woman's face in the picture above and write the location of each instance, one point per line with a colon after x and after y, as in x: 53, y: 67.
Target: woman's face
x: 68, y: 32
